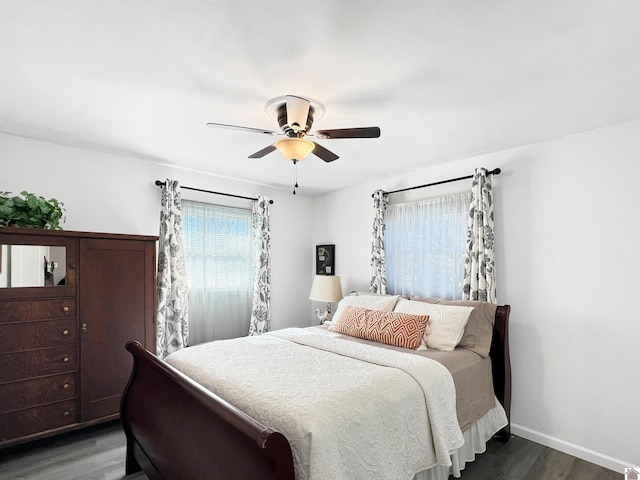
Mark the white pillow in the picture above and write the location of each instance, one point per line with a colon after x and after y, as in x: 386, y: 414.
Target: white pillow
x: 446, y: 322
x: 384, y: 303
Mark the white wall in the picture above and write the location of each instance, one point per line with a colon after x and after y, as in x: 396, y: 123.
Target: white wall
x: 567, y: 226
x: 107, y: 193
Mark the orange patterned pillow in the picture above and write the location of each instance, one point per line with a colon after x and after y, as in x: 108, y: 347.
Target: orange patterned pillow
x: 393, y: 328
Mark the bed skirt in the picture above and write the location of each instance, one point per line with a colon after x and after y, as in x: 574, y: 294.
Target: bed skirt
x: 475, y: 440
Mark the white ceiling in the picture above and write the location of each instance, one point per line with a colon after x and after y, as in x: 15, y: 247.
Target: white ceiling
x: 444, y: 79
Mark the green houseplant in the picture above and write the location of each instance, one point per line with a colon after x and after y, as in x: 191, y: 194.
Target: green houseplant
x: 30, y: 211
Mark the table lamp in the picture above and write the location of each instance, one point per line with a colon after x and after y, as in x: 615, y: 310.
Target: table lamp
x: 325, y: 288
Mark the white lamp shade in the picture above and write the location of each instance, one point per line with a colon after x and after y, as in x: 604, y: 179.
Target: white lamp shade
x: 295, y: 148
x: 326, y: 288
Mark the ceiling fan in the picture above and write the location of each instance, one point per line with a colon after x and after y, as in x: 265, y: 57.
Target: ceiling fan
x: 295, y: 116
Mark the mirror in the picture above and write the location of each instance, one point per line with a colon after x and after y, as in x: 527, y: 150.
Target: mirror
x: 32, y: 265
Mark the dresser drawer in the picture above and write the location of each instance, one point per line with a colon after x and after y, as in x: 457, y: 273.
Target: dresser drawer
x: 15, y: 337
x: 38, y: 363
x: 33, y: 310
x: 39, y: 391
x: 34, y: 420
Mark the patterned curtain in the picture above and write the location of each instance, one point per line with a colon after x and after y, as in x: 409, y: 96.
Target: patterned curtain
x: 172, y: 320
x: 479, y: 273
x: 378, y: 282
x: 261, y: 311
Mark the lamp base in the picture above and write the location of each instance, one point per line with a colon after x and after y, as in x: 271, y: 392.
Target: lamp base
x: 324, y: 316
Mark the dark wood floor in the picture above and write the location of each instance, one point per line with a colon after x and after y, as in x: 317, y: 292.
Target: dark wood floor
x: 521, y: 459
x: 95, y: 453
x: 98, y: 454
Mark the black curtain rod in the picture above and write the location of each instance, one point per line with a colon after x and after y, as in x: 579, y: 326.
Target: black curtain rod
x: 160, y: 184
x: 495, y: 171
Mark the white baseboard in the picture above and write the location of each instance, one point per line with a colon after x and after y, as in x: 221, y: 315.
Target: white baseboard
x: 598, y: 458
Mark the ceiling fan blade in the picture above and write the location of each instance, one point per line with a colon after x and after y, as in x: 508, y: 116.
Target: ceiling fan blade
x: 238, y: 127
x: 362, y: 132
x: 324, y: 154
x: 297, y: 112
x: 263, y: 152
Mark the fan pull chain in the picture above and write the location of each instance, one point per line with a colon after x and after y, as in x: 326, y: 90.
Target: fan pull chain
x: 295, y: 175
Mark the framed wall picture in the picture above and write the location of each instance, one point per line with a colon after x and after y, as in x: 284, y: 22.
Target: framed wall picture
x: 325, y: 259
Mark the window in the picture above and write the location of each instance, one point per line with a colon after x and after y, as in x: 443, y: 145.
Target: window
x: 425, y: 246
x: 218, y: 256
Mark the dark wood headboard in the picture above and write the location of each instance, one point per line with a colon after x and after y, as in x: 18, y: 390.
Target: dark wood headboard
x: 501, y: 363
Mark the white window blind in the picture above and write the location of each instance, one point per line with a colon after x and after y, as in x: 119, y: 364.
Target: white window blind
x: 218, y: 255
x: 425, y: 246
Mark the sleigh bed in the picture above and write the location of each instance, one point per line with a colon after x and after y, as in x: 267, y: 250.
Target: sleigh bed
x: 178, y: 429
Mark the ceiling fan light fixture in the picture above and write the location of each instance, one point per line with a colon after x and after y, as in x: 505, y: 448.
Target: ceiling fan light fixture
x: 295, y: 148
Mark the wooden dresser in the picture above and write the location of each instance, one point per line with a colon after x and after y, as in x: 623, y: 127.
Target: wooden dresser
x: 69, y: 301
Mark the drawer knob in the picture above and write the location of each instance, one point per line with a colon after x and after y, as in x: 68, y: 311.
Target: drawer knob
x: 65, y: 332
x: 83, y: 328
x: 65, y: 359
x: 65, y: 308
x: 65, y: 386
x: 66, y: 413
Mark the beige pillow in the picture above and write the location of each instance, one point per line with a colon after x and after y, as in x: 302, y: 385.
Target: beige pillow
x: 479, y: 329
x: 372, y: 301
x: 393, y: 328
x: 446, y: 323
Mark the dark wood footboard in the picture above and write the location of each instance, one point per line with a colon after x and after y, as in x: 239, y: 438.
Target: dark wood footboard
x: 177, y: 430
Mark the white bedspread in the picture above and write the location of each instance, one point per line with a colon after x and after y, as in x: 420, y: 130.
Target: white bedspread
x: 350, y: 411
